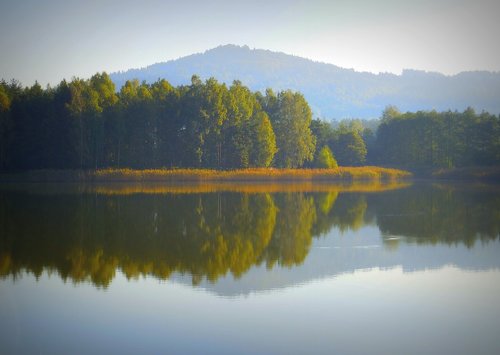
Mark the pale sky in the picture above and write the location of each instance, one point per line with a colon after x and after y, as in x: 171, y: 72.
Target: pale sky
x: 55, y: 39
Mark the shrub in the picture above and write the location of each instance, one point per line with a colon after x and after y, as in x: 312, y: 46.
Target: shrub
x: 325, y: 159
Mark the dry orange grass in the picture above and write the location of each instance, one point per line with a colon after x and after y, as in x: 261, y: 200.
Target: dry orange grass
x: 256, y: 174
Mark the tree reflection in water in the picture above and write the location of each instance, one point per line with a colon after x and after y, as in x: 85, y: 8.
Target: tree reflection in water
x: 88, y: 236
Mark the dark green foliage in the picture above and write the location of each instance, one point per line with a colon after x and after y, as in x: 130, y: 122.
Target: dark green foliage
x: 349, y: 148
x: 323, y: 131
x: 432, y: 139
x: 420, y: 140
x: 32, y: 128
x: 291, y: 119
x: 5, y: 124
x: 86, y: 124
x: 345, y: 141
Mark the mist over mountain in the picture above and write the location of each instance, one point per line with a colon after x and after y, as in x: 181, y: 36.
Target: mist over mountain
x: 332, y: 92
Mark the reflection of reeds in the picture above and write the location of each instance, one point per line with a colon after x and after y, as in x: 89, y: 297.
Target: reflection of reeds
x: 163, y: 181
x: 257, y: 174
x: 186, y: 188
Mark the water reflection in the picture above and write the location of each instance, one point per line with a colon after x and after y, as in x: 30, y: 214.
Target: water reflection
x: 206, y: 232
x: 431, y: 214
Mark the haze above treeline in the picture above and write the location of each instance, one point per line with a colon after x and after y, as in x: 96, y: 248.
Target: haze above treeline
x: 333, y: 93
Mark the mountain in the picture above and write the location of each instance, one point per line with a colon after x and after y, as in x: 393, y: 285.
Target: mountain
x: 332, y: 92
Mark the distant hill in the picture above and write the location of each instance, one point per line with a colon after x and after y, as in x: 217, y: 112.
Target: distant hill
x: 332, y: 92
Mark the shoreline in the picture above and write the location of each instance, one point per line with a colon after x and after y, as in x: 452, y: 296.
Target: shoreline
x: 254, y: 175
x: 341, y: 174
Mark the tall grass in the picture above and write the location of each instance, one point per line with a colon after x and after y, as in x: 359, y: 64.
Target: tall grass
x: 368, y: 173
x: 257, y: 174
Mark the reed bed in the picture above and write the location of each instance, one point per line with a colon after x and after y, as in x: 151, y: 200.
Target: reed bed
x: 257, y: 174
x: 268, y: 175
x: 212, y: 187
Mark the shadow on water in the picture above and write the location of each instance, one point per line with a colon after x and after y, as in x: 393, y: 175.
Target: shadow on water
x: 88, y: 233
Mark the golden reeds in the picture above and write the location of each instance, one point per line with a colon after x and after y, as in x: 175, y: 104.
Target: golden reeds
x: 255, y: 174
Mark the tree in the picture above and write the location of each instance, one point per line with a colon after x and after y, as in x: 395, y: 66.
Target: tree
x: 5, y: 126
x: 350, y: 148
x: 325, y: 159
x: 31, y: 113
x: 433, y: 139
x: 63, y: 130
x: 166, y: 102
x: 238, y: 130
x: 264, y: 146
x: 84, y: 107
x: 291, y: 118
x: 323, y: 131
x: 389, y: 113
x: 140, y: 141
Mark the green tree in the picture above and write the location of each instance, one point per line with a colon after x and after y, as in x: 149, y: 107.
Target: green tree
x: 264, y: 146
x: 350, y: 149
x: 324, y: 133
x: 63, y: 130
x: 325, y: 159
x: 166, y: 102
x: 84, y: 107
x: 291, y: 118
x: 433, y: 139
x: 390, y: 112
x: 238, y: 130
x: 140, y: 148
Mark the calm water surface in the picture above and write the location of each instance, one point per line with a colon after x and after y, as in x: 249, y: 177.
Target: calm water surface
x: 278, y: 269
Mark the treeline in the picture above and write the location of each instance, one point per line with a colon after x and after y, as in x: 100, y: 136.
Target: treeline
x: 424, y: 139
x: 87, y: 124
x: 437, y: 139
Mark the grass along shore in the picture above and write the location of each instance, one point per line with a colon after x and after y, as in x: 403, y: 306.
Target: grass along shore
x: 368, y: 173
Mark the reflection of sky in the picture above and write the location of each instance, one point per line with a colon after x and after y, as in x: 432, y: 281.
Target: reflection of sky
x: 355, y: 291
x: 346, y: 252
x: 49, y: 40
x: 445, y: 311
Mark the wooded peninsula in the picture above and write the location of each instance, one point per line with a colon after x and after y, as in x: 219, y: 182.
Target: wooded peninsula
x: 89, y: 125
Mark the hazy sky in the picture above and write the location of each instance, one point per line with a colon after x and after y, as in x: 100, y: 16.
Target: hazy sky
x: 54, y: 39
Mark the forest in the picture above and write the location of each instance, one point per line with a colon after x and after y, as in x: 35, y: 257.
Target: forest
x: 89, y: 124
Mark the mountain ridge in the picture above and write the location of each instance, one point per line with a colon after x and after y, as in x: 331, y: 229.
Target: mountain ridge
x: 333, y: 92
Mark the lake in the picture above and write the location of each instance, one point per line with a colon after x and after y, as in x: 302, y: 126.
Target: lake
x: 393, y: 268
